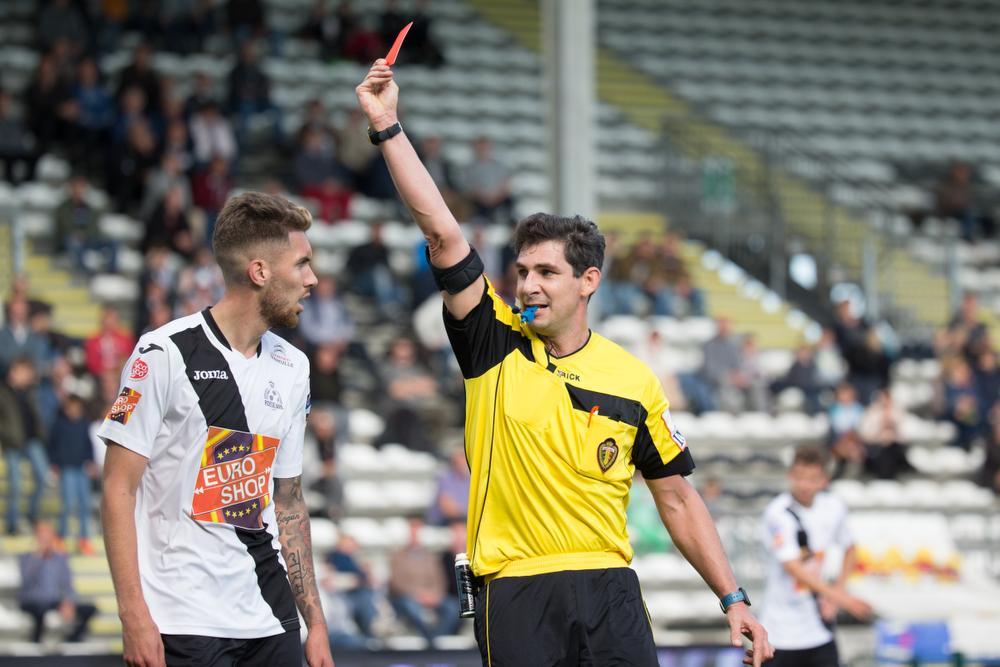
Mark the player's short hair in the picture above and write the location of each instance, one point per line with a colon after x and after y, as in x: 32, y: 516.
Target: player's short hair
x: 248, y: 221
x: 583, y: 242
x: 810, y: 455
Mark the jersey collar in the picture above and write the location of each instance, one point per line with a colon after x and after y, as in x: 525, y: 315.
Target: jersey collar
x: 217, y: 332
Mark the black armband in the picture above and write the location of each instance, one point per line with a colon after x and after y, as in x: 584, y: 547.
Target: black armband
x: 456, y: 278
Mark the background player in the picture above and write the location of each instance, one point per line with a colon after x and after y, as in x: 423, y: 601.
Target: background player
x: 557, y: 418
x: 802, y: 526
x: 212, y: 406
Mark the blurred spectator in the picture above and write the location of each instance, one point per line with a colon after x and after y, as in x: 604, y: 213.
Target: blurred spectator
x: 201, y: 281
x: 881, y: 431
x: 177, y: 144
x: 390, y: 22
x: 662, y: 361
x: 56, y: 343
x: 169, y: 225
x: 211, y: 135
x: 210, y: 188
x: 245, y: 19
x: 168, y: 175
x: 326, y: 421
x: 372, y: 277
x: 111, y: 16
x: 845, y: 416
x: 969, y: 333
x: 686, y: 300
x: 360, y: 587
x: 867, y: 364
x: 202, y: 94
x: 17, y: 145
x: 250, y: 94
x: 324, y: 318
x: 443, y: 174
x: 96, y: 114
x: 319, y: 176
x: 987, y: 380
x: 730, y: 371
x: 962, y: 405
x: 108, y: 349
x: 451, y: 500
x: 803, y: 376
x: 48, y: 101
x: 61, y: 20
x: 417, y: 586
x: 829, y: 363
x: 185, y: 24
x: 415, y: 414
x: 324, y: 28
x: 354, y: 150
x: 361, y: 43
x: 71, y: 455
x: 140, y: 74
x: 955, y: 198
x: 132, y: 108
x: 325, y: 378
x: 47, y: 584
x: 989, y: 476
x: 18, y: 340
x: 22, y: 434
x: 488, y: 184
x: 420, y: 44
x: 78, y: 231
x: 131, y: 164
x: 620, y: 294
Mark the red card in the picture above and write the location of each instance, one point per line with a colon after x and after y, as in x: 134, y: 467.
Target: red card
x: 390, y: 59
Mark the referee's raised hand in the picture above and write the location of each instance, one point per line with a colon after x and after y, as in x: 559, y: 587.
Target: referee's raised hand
x: 378, y: 95
x: 743, y: 624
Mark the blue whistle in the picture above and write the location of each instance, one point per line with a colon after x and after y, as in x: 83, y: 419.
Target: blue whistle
x: 528, y: 314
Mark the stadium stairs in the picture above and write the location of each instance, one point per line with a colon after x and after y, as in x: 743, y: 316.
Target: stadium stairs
x: 912, y: 288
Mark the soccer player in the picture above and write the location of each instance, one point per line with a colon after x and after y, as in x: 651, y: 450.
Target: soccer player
x: 206, y: 529
x: 801, y: 526
x: 557, y: 420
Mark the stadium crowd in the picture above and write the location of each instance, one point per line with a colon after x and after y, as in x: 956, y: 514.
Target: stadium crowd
x: 171, y: 162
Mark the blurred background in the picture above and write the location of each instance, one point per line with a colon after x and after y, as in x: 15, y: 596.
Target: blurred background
x: 800, y: 201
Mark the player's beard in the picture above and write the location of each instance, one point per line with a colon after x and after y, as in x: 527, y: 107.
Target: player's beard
x: 275, y: 309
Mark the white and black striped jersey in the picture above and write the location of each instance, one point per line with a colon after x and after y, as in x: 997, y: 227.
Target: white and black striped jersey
x: 216, y: 428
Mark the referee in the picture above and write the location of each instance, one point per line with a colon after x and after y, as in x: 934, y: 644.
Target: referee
x: 557, y: 420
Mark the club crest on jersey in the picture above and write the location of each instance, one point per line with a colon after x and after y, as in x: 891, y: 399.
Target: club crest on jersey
x: 278, y: 354
x: 209, y: 375
x: 140, y: 369
x: 272, y: 398
x: 607, y: 454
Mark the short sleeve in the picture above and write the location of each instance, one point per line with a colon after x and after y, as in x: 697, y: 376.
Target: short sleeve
x: 660, y: 449
x: 842, y: 535
x: 781, y: 536
x: 486, y: 335
x: 134, y: 419
x: 288, y: 461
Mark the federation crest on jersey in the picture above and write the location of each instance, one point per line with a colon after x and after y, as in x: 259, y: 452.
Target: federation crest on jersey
x: 272, y: 398
x: 607, y: 454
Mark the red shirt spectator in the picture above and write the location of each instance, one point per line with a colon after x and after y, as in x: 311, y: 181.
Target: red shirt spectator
x: 108, y: 349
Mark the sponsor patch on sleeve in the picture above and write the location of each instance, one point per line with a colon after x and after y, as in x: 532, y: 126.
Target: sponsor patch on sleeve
x: 140, y: 369
x: 124, y: 406
x: 675, y: 434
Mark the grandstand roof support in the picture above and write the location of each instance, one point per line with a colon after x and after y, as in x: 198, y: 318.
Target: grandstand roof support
x: 568, y: 39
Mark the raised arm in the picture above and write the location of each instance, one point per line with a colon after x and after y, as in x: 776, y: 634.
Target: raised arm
x: 296, y: 548
x: 693, y: 531
x: 378, y: 95
x: 123, y: 470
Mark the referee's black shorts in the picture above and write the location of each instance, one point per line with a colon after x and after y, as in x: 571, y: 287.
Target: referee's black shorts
x: 821, y: 656
x: 584, y: 618
x: 284, y: 650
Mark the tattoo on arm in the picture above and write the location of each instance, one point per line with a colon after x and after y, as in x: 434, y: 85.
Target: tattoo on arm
x: 296, y: 547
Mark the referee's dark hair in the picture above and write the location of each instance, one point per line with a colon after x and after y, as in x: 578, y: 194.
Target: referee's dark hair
x: 810, y: 455
x: 584, y: 244
x: 249, y: 220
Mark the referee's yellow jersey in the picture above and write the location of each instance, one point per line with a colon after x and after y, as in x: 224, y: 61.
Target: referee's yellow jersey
x: 552, y: 444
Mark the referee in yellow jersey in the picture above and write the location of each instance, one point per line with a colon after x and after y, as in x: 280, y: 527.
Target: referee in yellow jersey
x: 557, y: 420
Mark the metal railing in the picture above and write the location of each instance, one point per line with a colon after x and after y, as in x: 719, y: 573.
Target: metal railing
x: 760, y: 197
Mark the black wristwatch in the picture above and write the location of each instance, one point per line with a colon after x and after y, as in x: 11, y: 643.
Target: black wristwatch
x: 388, y: 133
x: 728, y: 601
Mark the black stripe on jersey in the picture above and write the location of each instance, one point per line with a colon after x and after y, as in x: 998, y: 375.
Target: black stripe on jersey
x: 222, y: 405
x: 271, y: 577
x: 212, y: 379
x: 481, y: 341
x: 613, y: 407
x: 645, y: 456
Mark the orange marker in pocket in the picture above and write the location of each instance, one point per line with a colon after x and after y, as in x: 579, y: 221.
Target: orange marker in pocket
x: 593, y: 411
